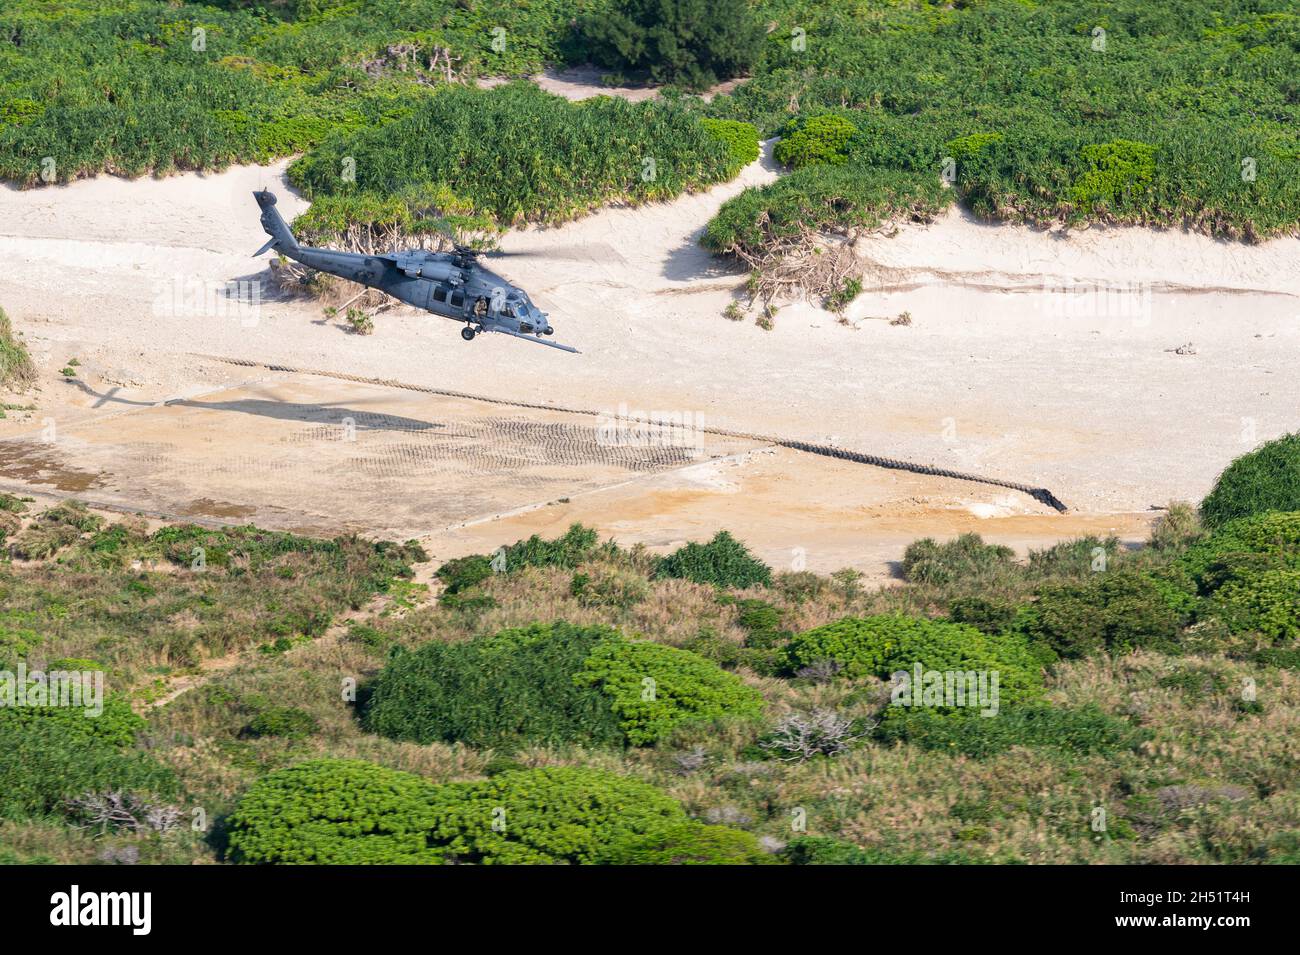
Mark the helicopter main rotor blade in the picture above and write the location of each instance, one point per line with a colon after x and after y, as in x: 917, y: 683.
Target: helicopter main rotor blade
x: 598, y: 251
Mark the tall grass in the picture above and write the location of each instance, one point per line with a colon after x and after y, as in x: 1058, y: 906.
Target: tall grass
x: 17, y: 372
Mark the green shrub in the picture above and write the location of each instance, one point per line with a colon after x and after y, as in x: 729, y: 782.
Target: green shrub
x: 44, y: 762
x: 654, y: 688
x: 990, y: 616
x: 761, y: 622
x: 117, y: 726
x: 546, y: 816
x: 964, y: 559
x: 1267, y: 603
x: 1080, y: 730
x: 687, y: 843
x: 723, y: 562
x: 568, y: 550
x: 712, y: 646
x: 1081, y: 557
x: 821, y: 196
x: 740, y: 138
x: 17, y: 372
x: 1243, y: 546
x: 971, y: 147
x: 519, y: 686
x: 693, y: 43
x: 1118, y: 612
x: 462, y: 573
x: 1266, y: 479
x: 518, y: 154
x: 334, y: 812
x: 1116, y: 173
x: 815, y: 140
x: 286, y: 721
x: 882, y: 645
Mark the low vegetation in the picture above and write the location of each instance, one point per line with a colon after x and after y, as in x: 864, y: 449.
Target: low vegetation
x: 17, y: 372
x: 575, y: 703
x: 1266, y: 479
x: 693, y: 43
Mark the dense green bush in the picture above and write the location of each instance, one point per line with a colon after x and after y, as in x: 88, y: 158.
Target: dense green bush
x: 654, y: 688
x: 341, y: 812
x: 1117, y: 174
x: 991, y: 616
x: 123, y: 88
x: 741, y: 140
x: 523, y: 155
x: 762, y: 623
x: 549, y: 684
x: 1266, y: 479
x: 1267, y: 603
x: 334, y: 812
x: 825, y: 196
x: 461, y: 573
x: 882, y: 645
x: 966, y: 559
x: 1085, y: 729
x: 712, y: 646
x: 545, y: 816
x: 687, y: 843
x: 568, y: 550
x: 693, y: 43
x: 1041, y: 126
x: 117, y: 726
x: 1118, y: 612
x: 500, y: 691
x: 723, y: 562
x: 46, y: 761
x: 815, y: 140
x: 1269, y: 539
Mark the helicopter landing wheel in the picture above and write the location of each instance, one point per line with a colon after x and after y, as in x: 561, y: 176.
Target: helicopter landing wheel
x: 467, y: 333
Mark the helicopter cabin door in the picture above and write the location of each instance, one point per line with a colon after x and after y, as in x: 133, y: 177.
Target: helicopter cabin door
x: 438, y: 297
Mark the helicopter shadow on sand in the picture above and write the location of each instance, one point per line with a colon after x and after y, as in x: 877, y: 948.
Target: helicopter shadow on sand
x: 322, y: 413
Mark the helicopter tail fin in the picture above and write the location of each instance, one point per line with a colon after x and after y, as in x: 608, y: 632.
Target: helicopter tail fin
x: 282, y: 239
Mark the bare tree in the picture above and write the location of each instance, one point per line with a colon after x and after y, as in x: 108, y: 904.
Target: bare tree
x: 117, y: 810
x: 800, y: 736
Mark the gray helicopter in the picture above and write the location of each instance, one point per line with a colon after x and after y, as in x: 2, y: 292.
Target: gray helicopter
x: 451, y: 284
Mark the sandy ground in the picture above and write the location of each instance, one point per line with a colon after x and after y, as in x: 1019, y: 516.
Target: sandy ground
x: 320, y: 456
x: 1121, y: 368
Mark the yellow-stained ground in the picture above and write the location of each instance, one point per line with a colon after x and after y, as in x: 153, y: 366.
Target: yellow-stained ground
x: 322, y: 456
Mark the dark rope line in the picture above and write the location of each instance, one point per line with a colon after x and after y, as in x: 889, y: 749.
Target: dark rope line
x: 1040, y: 494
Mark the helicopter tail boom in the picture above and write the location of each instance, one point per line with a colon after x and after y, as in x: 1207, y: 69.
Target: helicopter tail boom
x: 282, y: 239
